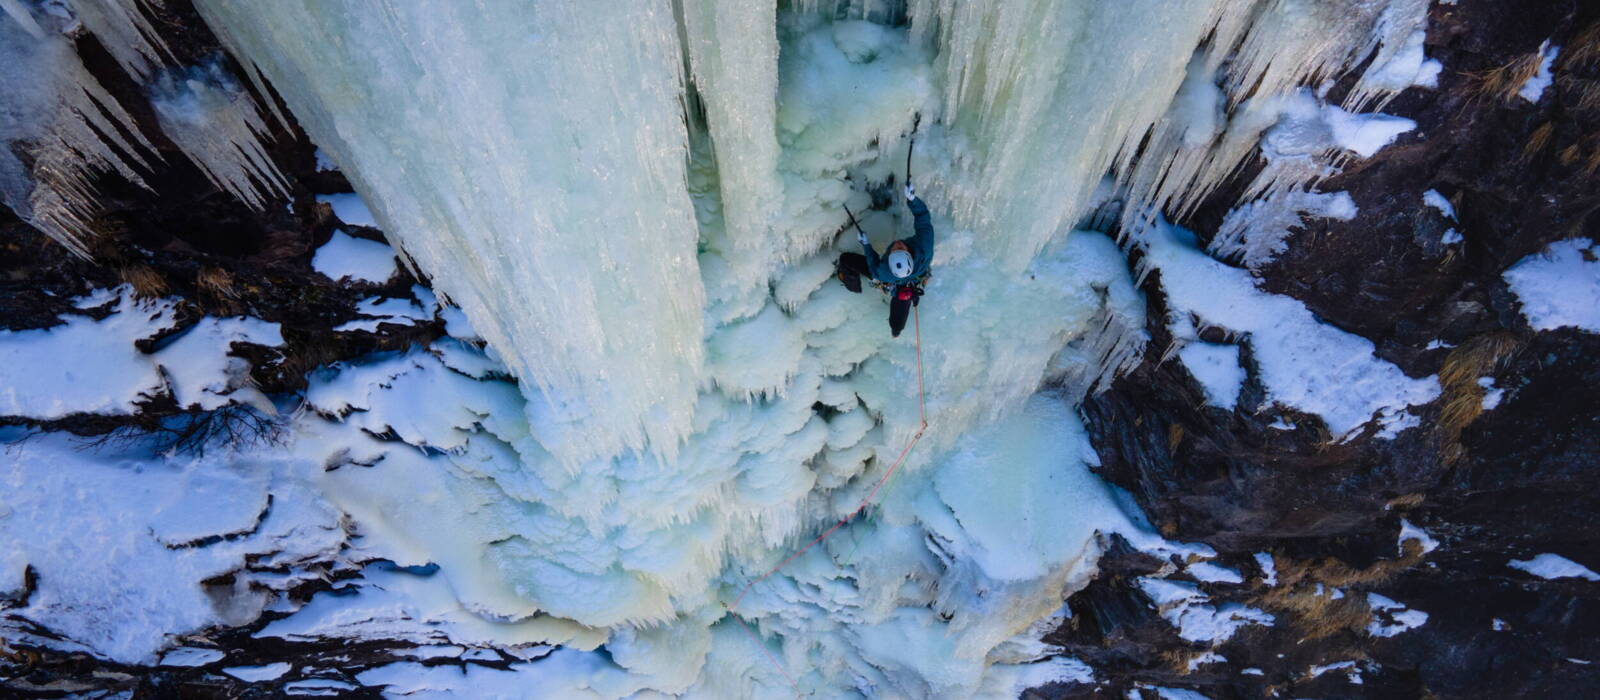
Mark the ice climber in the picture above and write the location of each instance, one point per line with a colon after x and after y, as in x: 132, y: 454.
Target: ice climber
x: 902, y: 271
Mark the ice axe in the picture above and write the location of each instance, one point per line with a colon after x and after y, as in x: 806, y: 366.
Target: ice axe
x: 853, y: 221
x: 915, y: 122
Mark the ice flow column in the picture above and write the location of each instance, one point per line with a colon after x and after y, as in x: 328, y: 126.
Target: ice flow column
x: 529, y: 156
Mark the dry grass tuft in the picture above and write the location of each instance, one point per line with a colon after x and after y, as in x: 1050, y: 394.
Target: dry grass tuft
x: 146, y: 282
x: 1174, y: 437
x: 1501, y: 84
x: 1584, y: 94
x: 1463, y: 397
x: 1410, y: 500
x: 1570, y: 154
x: 217, y: 285
x: 1538, y: 140
x: 1583, y: 49
x: 1317, y: 613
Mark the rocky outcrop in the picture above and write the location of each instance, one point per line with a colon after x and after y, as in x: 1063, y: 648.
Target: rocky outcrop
x: 1489, y: 485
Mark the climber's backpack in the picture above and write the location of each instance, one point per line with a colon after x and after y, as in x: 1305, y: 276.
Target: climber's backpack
x: 849, y: 269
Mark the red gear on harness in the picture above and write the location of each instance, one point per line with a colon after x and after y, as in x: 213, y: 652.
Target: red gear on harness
x: 903, y: 294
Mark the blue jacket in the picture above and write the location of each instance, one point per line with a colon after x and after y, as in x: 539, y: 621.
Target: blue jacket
x: 921, y: 244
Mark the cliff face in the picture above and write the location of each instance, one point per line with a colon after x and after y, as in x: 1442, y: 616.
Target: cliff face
x: 1488, y: 485
x: 1491, y: 486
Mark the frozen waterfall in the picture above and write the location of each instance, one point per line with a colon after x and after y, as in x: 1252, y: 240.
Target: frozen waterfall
x: 637, y: 204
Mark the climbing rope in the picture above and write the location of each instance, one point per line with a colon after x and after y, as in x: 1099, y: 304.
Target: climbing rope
x: 922, y: 414
x: 922, y: 427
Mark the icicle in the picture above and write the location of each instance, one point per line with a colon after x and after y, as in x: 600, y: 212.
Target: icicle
x: 58, y: 114
x: 733, y: 51
x: 123, y: 27
x: 205, y: 112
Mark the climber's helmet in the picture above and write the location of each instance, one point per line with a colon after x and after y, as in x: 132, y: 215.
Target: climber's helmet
x: 900, y: 263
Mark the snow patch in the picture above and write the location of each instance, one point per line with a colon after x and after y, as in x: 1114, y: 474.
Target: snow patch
x: 1534, y: 88
x: 122, y: 541
x: 1553, y: 566
x: 1304, y: 363
x: 1217, y: 369
x: 1269, y: 570
x: 1212, y: 573
x: 1365, y: 134
x: 1181, y: 605
x: 1559, y: 287
x: 257, y: 674
x: 84, y: 365
x: 191, y: 656
x: 1209, y: 657
x: 1409, y: 532
x: 203, y: 375
x: 1352, y: 672
x: 397, y: 311
x: 1492, y: 396
x: 350, y: 208
x: 1390, y: 618
x: 1438, y: 201
x: 346, y: 257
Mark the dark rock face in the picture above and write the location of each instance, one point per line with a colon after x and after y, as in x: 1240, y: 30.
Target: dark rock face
x: 1490, y: 486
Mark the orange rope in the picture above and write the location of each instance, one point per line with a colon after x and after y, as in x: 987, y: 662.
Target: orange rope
x: 922, y: 414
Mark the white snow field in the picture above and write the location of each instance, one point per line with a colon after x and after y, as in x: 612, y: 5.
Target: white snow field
x: 638, y: 212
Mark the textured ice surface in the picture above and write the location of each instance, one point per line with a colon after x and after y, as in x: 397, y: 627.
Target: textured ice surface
x: 1256, y: 232
x: 538, y: 172
x: 999, y: 85
x: 62, y: 119
x: 1559, y: 286
x: 62, y: 128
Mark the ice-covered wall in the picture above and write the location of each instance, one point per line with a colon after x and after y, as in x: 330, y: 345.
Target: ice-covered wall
x: 638, y: 205
x: 530, y: 157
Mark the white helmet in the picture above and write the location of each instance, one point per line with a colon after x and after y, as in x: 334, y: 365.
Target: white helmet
x: 900, y: 263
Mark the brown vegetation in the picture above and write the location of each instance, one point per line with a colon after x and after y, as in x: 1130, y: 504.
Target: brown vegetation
x: 1315, y: 612
x: 147, y: 283
x: 218, y: 288
x: 1502, y: 84
x: 1463, y: 396
x: 1583, y: 50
